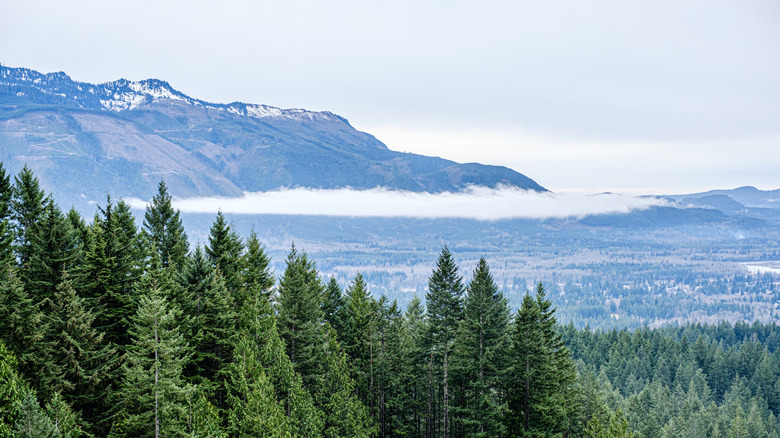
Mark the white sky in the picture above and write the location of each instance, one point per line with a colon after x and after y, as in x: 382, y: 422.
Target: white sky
x: 636, y: 97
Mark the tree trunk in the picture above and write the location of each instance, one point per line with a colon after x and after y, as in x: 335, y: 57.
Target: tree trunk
x: 446, y: 397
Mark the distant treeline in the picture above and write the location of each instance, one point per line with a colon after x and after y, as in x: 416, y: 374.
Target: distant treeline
x: 110, y: 329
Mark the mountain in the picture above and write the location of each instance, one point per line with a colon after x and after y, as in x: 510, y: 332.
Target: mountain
x: 81, y: 139
x: 748, y: 196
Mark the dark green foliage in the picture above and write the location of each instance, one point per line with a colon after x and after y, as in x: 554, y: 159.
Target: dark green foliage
x: 445, y: 312
x: 111, y: 269
x: 304, y: 418
x: 333, y: 307
x: 194, y: 280
x: 257, y: 276
x: 300, y: 317
x: 12, y: 389
x: 32, y: 421
x: 153, y: 393
x: 328, y: 365
x: 21, y: 325
x: 165, y: 231
x: 395, y: 378
x: 64, y: 420
x: 345, y: 415
x: 213, y: 336
x: 418, y: 415
x: 28, y: 205
x: 359, y: 339
x: 204, y: 421
x: 82, y: 369
x: 482, y: 354
x: 253, y: 410
x: 542, y: 375
x: 6, y: 231
x: 52, y: 253
x: 224, y: 253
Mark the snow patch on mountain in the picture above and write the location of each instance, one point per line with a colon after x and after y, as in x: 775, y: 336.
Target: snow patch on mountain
x: 124, y: 95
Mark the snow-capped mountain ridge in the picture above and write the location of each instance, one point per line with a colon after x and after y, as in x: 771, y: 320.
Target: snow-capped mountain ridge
x: 123, y: 94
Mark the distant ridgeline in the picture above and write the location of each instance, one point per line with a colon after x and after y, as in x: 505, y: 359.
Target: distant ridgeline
x: 123, y: 137
x: 110, y: 329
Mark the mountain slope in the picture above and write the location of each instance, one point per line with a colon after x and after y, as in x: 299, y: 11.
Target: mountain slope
x: 81, y: 138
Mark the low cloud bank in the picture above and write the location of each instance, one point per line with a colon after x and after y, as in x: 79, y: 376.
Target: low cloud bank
x: 474, y: 202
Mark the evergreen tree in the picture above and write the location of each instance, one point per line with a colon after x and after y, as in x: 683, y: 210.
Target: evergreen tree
x: 445, y: 312
x: 32, y: 421
x: 27, y: 203
x: 195, y: 281
x: 52, y: 253
x: 82, y: 368
x: 21, y: 326
x: 214, y: 335
x: 300, y: 317
x: 333, y: 307
x: 111, y: 270
x: 153, y: 392
x: 12, y: 390
x: 417, y: 360
x: 224, y: 252
x: 254, y: 410
x: 6, y: 231
x: 359, y: 338
x: 257, y: 275
x: 539, y: 381
x: 164, y: 228
x: 345, y: 415
x: 481, y: 353
x: 305, y: 419
x: 394, y: 373
x: 204, y: 420
x: 63, y: 419
x: 563, y: 373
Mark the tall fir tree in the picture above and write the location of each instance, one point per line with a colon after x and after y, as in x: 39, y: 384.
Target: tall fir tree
x: 155, y: 396
x: 300, y: 316
x: 257, y: 277
x: 333, y: 307
x: 164, y: 228
x: 204, y: 421
x: 305, y: 419
x: 360, y: 312
x: 394, y: 372
x: 213, y: 337
x: 444, y: 306
x: 195, y: 279
x: 417, y: 360
x: 12, y: 388
x: 528, y: 392
x: 6, y: 231
x: 482, y: 354
x: 52, y: 253
x: 253, y: 409
x: 345, y: 415
x: 82, y: 368
x: 224, y: 252
x: 564, y: 373
x: 28, y: 204
x: 21, y: 325
x: 540, y: 383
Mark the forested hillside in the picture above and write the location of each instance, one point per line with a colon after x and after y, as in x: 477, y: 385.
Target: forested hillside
x: 110, y: 328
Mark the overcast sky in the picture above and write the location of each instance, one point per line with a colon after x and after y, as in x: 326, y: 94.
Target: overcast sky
x: 633, y: 97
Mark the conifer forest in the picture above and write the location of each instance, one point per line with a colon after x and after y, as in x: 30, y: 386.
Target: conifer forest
x: 113, y: 328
